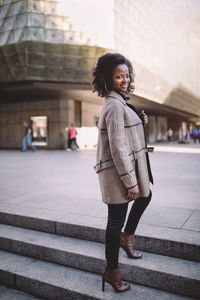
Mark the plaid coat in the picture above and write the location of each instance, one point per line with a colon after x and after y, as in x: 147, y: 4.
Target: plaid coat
x: 122, y: 158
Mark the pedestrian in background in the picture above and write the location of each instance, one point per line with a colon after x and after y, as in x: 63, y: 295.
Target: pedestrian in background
x: 123, y: 165
x: 28, y: 133
x: 170, y: 134
x: 195, y: 135
x: 72, y: 138
x: 199, y: 135
x: 188, y: 136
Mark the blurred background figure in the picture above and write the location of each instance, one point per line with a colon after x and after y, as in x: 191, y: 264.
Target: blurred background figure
x: 72, y: 144
x: 199, y: 135
x: 28, y: 132
x: 195, y: 135
x: 188, y: 136
x: 170, y: 134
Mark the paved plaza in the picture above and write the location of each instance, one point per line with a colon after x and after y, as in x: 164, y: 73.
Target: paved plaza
x: 63, y: 186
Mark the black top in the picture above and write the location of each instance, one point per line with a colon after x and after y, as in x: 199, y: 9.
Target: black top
x: 26, y: 130
x: 147, y: 154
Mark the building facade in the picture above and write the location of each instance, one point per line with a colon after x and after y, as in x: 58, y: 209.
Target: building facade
x: 47, y: 51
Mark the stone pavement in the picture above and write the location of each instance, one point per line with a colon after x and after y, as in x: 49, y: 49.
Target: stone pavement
x: 63, y: 186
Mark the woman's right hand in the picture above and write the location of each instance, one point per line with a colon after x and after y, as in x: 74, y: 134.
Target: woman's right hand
x: 133, y: 193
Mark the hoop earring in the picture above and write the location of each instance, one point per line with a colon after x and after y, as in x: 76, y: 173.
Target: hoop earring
x: 106, y: 88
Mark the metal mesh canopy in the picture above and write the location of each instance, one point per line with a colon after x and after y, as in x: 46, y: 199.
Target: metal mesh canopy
x: 37, y: 20
x: 40, y: 41
x: 36, y: 43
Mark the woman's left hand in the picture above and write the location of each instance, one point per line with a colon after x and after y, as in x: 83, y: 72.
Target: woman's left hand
x: 144, y: 117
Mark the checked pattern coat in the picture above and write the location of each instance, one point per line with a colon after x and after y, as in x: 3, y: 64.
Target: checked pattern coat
x: 122, y: 153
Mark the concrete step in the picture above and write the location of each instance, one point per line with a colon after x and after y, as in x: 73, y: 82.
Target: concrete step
x: 51, y: 281
x: 11, y: 294
x: 170, y: 242
x: 153, y: 270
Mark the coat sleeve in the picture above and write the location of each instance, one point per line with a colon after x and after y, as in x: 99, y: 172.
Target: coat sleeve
x: 117, y: 142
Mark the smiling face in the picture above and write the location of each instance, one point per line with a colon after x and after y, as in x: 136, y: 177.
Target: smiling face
x: 121, y: 78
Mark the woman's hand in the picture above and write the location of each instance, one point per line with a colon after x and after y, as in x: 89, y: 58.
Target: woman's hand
x: 144, y: 117
x: 133, y: 193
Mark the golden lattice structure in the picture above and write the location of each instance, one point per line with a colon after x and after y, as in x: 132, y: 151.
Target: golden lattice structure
x: 38, y: 43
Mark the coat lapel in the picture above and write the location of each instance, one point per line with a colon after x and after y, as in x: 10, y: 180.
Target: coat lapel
x: 117, y: 96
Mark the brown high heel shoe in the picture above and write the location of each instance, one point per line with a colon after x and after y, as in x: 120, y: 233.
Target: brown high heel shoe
x: 126, y: 243
x: 113, y: 278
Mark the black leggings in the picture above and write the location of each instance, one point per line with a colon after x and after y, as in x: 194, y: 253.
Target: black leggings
x: 116, y: 220
x: 70, y: 141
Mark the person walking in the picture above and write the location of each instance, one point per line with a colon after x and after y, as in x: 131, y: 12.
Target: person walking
x: 195, y: 135
x: 170, y: 134
x: 199, y: 135
x: 28, y: 132
x: 72, y: 138
x: 122, y: 164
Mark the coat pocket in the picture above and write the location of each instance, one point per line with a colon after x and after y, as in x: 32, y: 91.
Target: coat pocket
x: 107, y: 163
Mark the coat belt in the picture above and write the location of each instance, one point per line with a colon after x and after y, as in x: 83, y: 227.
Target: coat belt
x: 136, y: 154
x: 109, y: 162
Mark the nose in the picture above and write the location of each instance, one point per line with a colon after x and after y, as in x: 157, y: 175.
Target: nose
x: 125, y: 80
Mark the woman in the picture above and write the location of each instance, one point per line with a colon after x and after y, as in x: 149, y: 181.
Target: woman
x: 122, y: 161
x: 72, y: 138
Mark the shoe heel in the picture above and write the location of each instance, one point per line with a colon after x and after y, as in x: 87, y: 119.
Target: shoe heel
x: 124, y: 250
x: 103, y: 285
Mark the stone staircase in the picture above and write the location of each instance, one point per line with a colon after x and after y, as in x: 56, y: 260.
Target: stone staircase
x: 55, y: 260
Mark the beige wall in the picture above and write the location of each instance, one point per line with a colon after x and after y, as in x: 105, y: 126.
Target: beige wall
x: 61, y: 113
x: 151, y: 129
x: 156, y: 129
x: 12, y: 115
x: 161, y: 128
x: 89, y: 113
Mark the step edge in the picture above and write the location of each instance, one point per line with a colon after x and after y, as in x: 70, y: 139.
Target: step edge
x: 59, y: 222
x: 100, y: 265
x: 16, y: 272
x: 19, y: 286
x: 142, y: 242
x: 17, y: 239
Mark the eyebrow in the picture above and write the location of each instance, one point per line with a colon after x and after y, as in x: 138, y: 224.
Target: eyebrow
x: 122, y: 73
